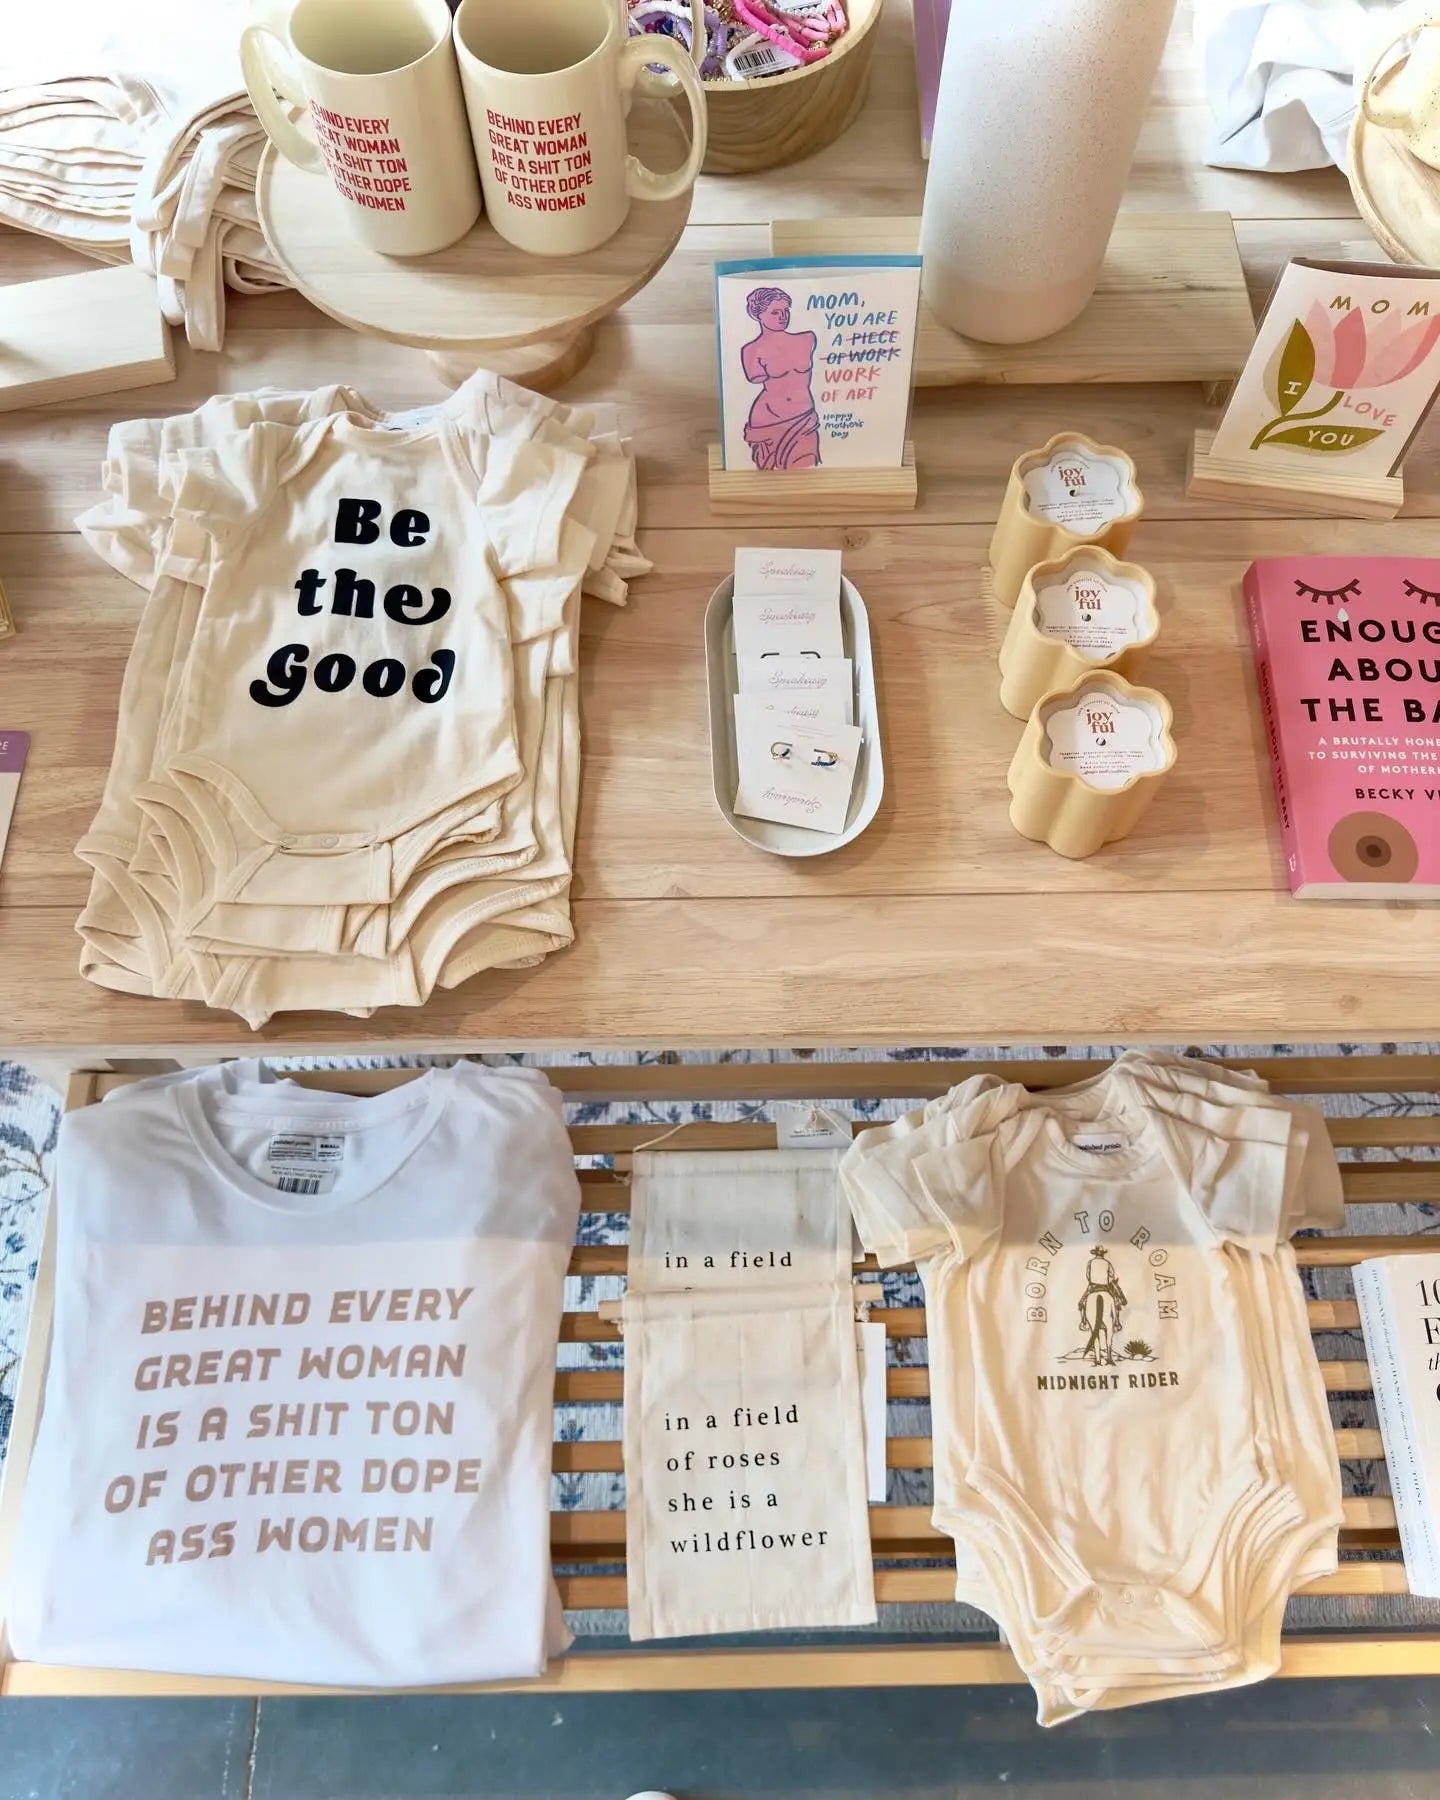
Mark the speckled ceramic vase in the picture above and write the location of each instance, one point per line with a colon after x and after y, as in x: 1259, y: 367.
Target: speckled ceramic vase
x: 1038, y: 116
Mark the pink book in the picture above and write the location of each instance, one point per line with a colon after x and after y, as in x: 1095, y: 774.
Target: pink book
x: 1347, y: 649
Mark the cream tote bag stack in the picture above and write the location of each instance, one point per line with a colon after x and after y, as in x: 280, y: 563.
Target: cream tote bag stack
x: 744, y: 1452
x: 126, y: 133
x: 347, y: 761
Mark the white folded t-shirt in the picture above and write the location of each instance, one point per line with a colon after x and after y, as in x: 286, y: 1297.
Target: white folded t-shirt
x: 298, y: 1417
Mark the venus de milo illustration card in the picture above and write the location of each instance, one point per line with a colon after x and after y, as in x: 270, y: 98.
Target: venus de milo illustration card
x: 816, y: 357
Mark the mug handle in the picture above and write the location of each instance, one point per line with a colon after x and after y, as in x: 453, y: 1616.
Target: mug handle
x: 642, y: 183
x: 1392, y: 117
x: 262, y: 83
x: 654, y: 85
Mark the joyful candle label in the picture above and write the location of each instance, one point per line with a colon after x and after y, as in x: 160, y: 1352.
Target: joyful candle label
x: 1091, y: 612
x: 1080, y: 490
x: 1104, y: 738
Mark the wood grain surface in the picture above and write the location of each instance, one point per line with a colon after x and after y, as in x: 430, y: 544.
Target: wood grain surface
x: 940, y: 924
x: 1171, y: 305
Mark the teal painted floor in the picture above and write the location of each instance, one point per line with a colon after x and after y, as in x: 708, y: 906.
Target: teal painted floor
x: 1291, y: 1740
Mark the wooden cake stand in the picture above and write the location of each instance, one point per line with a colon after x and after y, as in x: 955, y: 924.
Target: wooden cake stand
x: 1397, y: 195
x: 481, y: 303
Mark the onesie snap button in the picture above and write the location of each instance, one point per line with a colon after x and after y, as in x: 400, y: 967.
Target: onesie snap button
x: 289, y: 843
x: 329, y: 841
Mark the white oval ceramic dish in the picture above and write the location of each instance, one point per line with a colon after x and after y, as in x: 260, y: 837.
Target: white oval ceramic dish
x: 766, y: 834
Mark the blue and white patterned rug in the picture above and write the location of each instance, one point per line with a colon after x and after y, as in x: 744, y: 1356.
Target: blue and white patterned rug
x: 29, y: 1120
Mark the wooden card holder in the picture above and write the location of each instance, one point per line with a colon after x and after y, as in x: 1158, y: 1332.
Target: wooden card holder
x: 1023, y: 537
x: 70, y: 337
x: 1061, y: 808
x: 1325, y: 491
x: 915, y: 1560
x: 1034, y: 662
x: 805, y: 494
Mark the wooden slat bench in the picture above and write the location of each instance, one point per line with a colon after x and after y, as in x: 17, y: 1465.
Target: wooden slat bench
x: 900, y: 1534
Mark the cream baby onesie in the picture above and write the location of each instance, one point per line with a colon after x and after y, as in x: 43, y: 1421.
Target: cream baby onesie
x: 899, y: 1217
x: 354, y: 572
x: 125, y: 532
x: 1261, y: 1577
x: 485, y: 696
x: 944, y: 1274
x: 1087, y: 1396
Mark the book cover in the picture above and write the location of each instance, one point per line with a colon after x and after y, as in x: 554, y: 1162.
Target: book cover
x: 1347, y: 652
x: 1399, y: 1302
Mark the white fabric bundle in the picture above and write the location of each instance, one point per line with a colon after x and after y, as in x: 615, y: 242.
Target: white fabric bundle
x: 1280, y: 78
x: 126, y: 133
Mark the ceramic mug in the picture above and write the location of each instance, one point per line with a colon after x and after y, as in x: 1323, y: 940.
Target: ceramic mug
x: 547, y: 84
x: 383, y: 93
x: 1416, y: 118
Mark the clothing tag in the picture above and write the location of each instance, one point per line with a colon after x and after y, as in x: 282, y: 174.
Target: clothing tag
x: 14, y: 746
x: 870, y: 1341
x: 768, y: 625
x: 1094, y: 615
x: 411, y: 418
x: 1104, y: 739
x: 304, y: 1162
x: 1099, y: 1143
x: 797, y: 777
x: 810, y: 1128
x: 1079, y: 490
x: 807, y: 678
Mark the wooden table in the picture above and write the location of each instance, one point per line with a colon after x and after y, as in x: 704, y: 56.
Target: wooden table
x: 940, y: 925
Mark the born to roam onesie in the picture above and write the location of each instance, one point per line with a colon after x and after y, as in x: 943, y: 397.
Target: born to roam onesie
x: 297, y: 1423
x: 902, y: 1214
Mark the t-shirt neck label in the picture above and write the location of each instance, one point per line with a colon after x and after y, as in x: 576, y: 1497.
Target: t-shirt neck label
x: 304, y: 1162
x: 1100, y: 1143
x: 412, y: 419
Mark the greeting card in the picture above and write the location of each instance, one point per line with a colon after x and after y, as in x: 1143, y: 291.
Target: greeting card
x: 816, y: 357
x: 1345, y: 366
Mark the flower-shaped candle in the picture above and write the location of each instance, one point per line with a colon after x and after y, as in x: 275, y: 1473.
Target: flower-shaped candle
x: 1089, y: 763
x: 1069, y: 492
x: 1080, y: 613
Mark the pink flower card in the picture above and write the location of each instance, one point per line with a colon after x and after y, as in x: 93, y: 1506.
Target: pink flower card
x: 1345, y: 366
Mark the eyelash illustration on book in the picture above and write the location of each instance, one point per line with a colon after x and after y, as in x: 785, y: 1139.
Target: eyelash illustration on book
x: 1416, y: 592
x: 1350, y: 591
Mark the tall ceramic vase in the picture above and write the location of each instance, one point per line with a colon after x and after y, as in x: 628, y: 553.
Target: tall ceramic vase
x: 1038, y: 115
